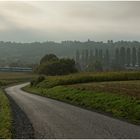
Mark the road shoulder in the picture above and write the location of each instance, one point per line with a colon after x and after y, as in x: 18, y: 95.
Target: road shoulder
x: 21, y: 125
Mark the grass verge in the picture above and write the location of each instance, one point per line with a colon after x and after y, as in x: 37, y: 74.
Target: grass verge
x: 5, y: 117
x: 120, y: 106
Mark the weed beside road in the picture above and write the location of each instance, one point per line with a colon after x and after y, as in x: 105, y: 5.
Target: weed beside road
x: 5, y: 117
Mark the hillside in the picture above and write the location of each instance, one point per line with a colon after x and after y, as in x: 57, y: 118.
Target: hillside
x: 31, y: 53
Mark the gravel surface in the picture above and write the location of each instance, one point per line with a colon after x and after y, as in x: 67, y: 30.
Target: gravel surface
x: 54, y: 119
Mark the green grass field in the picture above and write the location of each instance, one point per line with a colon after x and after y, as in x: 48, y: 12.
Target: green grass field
x: 7, y: 78
x: 131, y: 88
x: 5, y: 117
x: 116, y: 93
x: 16, y: 75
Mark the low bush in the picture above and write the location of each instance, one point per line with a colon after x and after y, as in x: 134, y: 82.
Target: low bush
x: 37, y: 81
x: 55, y: 66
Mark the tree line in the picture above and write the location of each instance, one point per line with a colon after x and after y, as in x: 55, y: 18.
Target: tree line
x: 19, y: 54
x: 106, y: 59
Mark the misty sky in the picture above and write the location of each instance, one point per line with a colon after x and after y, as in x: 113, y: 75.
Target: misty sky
x: 56, y: 21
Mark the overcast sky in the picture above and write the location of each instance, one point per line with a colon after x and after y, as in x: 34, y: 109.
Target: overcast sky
x: 56, y: 21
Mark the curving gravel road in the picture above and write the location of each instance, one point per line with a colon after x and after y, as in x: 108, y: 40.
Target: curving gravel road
x: 55, y: 119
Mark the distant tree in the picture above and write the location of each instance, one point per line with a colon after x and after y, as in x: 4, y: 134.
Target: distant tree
x: 77, y: 56
x: 100, y: 55
x: 128, y: 56
x: 96, y: 54
x: 86, y: 57
x: 91, y: 66
x: 83, y: 60
x: 139, y: 56
x: 114, y: 65
x: 48, y: 58
x: 98, y: 66
x: 122, y: 56
x: 110, y: 41
x: 68, y: 65
x: 88, y: 40
x: 117, y: 59
x: 134, y: 56
x: 106, y: 58
x: 91, y: 56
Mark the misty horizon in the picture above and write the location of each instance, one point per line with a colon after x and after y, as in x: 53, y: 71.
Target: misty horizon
x: 61, y: 41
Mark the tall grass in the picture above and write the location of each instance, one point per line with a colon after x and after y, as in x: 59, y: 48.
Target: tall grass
x: 5, y: 117
x: 52, y: 81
